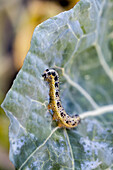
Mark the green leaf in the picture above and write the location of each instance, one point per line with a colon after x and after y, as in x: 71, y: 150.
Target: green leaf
x: 80, y: 43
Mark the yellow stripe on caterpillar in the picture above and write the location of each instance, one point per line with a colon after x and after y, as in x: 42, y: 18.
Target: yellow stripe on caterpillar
x: 59, y: 114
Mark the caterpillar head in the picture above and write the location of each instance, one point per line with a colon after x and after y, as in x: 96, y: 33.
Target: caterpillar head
x: 48, y: 73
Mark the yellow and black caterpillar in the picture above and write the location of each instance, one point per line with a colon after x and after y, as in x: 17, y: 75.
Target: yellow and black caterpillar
x: 64, y: 120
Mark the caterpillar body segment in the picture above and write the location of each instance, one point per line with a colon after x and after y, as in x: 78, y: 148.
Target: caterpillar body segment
x: 59, y: 114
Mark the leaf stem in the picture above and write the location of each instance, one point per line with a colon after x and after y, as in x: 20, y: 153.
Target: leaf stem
x: 97, y: 112
x: 73, y: 165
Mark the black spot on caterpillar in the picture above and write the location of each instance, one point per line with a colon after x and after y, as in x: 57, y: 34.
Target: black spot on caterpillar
x: 64, y: 120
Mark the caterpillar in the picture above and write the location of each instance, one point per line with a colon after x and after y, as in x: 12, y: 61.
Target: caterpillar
x: 59, y: 114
